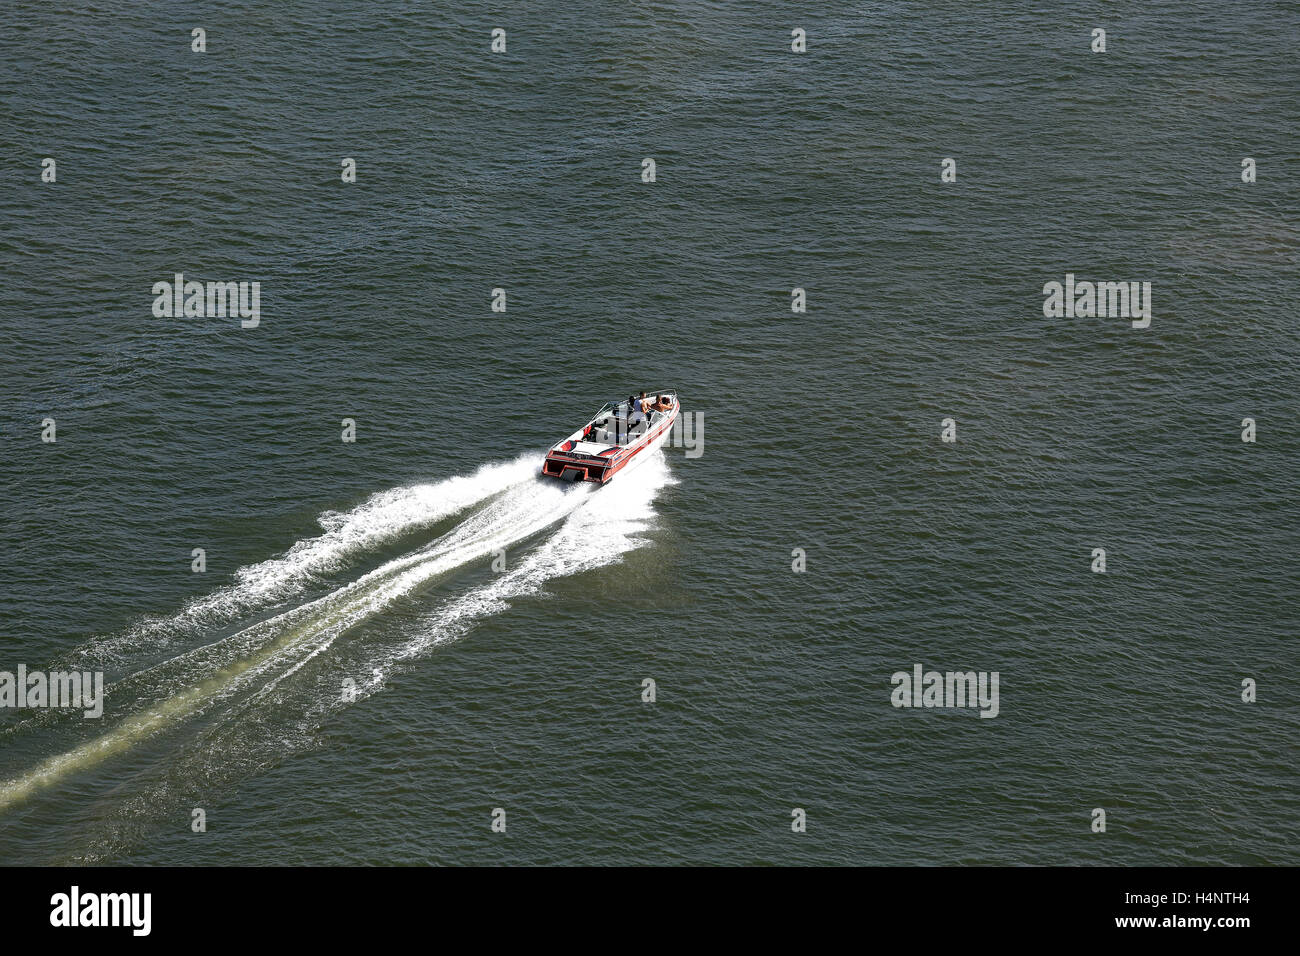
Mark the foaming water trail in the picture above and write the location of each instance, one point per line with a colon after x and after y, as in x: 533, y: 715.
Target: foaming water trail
x: 251, y: 658
x: 348, y: 534
x: 287, y: 706
x: 600, y: 533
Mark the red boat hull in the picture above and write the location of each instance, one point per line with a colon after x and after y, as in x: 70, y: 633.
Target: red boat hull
x: 571, y: 466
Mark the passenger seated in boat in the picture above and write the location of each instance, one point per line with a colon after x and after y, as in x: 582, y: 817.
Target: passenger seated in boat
x: 662, y: 403
x: 638, y: 412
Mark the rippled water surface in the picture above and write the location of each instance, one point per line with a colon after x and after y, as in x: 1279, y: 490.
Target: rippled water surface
x: 520, y: 686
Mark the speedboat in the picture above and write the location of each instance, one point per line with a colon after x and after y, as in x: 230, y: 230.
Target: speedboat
x: 615, y: 437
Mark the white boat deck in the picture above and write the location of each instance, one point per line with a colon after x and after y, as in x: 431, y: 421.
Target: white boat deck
x: 613, y: 429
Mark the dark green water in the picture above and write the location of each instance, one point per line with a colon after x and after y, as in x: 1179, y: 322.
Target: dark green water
x: 522, y: 689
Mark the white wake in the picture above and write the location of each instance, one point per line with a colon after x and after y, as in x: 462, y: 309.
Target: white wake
x: 230, y: 678
x: 348, y: 535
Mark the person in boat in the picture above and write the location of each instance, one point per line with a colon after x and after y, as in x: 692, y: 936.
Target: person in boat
x: 640, y: 408
x: 662, y: 403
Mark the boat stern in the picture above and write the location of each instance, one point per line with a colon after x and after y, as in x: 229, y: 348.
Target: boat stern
x: 569, y: 466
